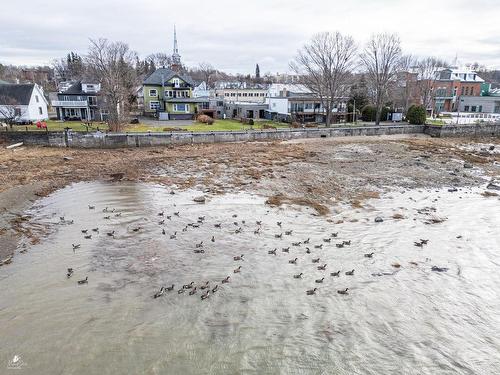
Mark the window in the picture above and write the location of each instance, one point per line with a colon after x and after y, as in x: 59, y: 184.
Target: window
x: 37, y: 100
x: 466, y: 108
x: 154, y: 105
x: 473, y: 108
x: 227, y: 94
x: 463, y: 90
x: 181, y: 108
x: 176, y: 82
x: 472, y: 90
x: 233, y: 94
x: 245, y: 94
x: 220, y: 104
x: 467, y: 91
x: 480, y: 108
x: 40, y: 111
x: 92, y: 100
x: 153, y: 92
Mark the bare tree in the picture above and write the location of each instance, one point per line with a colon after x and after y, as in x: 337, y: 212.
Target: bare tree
x: 404, y: 89
x: 325, y: 64
x: 208, y: 73
x: 381, y: 59
x: 112, y: 64
x: 427, y: 69
x: 160, y: 59
x: 10, y: 110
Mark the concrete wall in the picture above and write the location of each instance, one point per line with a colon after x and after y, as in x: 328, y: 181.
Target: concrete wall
x: 112, y: 140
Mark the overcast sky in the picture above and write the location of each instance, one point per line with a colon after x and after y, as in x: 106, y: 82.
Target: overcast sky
x: 235, y: 35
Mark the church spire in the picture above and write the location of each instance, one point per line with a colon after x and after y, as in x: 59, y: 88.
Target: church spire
x: 176, y: 58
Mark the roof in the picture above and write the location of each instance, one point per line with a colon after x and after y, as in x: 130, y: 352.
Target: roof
x: 188, y: 100
x: 19, y: 93
x: 74, y: 89
x: 166, y: 74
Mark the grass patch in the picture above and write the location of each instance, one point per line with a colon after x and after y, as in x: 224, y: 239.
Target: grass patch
x: 53, y: 125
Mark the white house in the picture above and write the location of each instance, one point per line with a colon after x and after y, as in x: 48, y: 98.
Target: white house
x: 22, y: 103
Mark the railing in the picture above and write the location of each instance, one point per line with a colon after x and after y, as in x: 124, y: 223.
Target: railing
x: 69, y: 103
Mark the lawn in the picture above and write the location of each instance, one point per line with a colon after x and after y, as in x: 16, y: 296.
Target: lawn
x: 53, y: 125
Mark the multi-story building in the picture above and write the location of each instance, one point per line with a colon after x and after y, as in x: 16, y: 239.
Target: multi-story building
x: 22, y: 103
x: 453, y: 84
x: 243, y: 94
x: 80, y: 102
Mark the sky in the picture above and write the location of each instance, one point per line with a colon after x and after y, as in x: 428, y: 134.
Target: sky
x: 234, y: 35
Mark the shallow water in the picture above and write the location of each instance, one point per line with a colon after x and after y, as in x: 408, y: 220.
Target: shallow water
x: 410, y: 320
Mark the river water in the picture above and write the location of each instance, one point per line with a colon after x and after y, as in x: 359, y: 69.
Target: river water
x: 395, y: 320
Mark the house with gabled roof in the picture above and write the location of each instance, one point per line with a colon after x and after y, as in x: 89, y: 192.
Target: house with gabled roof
x: 22, y: 103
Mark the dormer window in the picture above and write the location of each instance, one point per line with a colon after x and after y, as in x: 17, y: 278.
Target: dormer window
x: 177, y: 82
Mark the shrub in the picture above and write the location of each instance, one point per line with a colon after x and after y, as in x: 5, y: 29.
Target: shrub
x: 416, y: 115
x: 250, y: 122
x: 204, y: 119
x: 368, y: 113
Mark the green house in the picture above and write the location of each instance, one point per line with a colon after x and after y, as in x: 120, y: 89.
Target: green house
x: 168, y: 95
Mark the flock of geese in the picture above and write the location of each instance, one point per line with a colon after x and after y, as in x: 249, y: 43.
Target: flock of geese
x: 206, y: 288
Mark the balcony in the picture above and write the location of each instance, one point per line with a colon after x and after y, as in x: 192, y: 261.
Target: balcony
x: 69, y: 103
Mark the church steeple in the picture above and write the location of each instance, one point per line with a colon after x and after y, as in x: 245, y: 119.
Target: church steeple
x: 176, y: 58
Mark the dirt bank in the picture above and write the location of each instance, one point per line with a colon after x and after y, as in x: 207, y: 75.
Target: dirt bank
x: 316, y: 172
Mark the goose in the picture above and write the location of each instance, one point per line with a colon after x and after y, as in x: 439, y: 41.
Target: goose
x: 185, y: 229
x: 369, y: 255
x: 136, y: 229
x: 75, y: 246
x: 243, y: 221
x: 322, y: 268
x: 235, y: 223
x: 204, y: 286
x: 170, y: 288
x: 278, y: 223
x: 193, y: 291
x: 70, y: 273
x: 439, y: 269
x: 306, y: 242
x: 177, y: 213
x: 256, y: 231
x: 218, y: 225
x: 319, y: 281
x: 161, y: 213
x: 285, y: 249
x: 180, y: 291
x: 335, y: 274
x: 293, y: 261
x: 215, y: 288
x: 199, y: 251
x: 258, y: 223
x: 272, y: 252
x: 318, y: 246
x: 343, y: 291
x: 334, y: 235
x: 213, y: 239
x: 237, y: 270
x: 111, y: 234
x: 118, y: 214
x: 288, y: 232
x: 91, y: 207
x: 188, y: 286
x: 199, y: 245
x: 238, y: 257
x: 347, y: 243
x: 418, y: 244
x: 161, y: 222
x: 239, y: 230
x: 315, y: 260
x: 350, y: 273
x: 278, y: 235
x: 173, y: 236
x: 159, y: 293
x: 106, y: 209
x: 308, y: 251
x: 226, y: 280
x: 298, y: 276
x: 327, y: 240
x: 235, y: 215
x: 107, y: 217
x: 95, y: 230
x: 88, y: 237
x: 205, y: 295
x: 311, y: 292
x: 201, y: 218
x: 61, y: 218
x: 85, y: 230
x: 296, y: 243
x: 169, y: 217
x: 424, y: 242
x: 339, y: 245
x: 84, y: 281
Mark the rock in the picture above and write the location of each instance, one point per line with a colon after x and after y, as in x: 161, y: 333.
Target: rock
x: 452, y: 190
x: 439, y: 269
x: 67, y: 158
x: 200, y: 199
x: 468, y: 166
x: 117, y: 176
x: 493, y: 186
x: 492, y: 148
x: 378, y: 219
